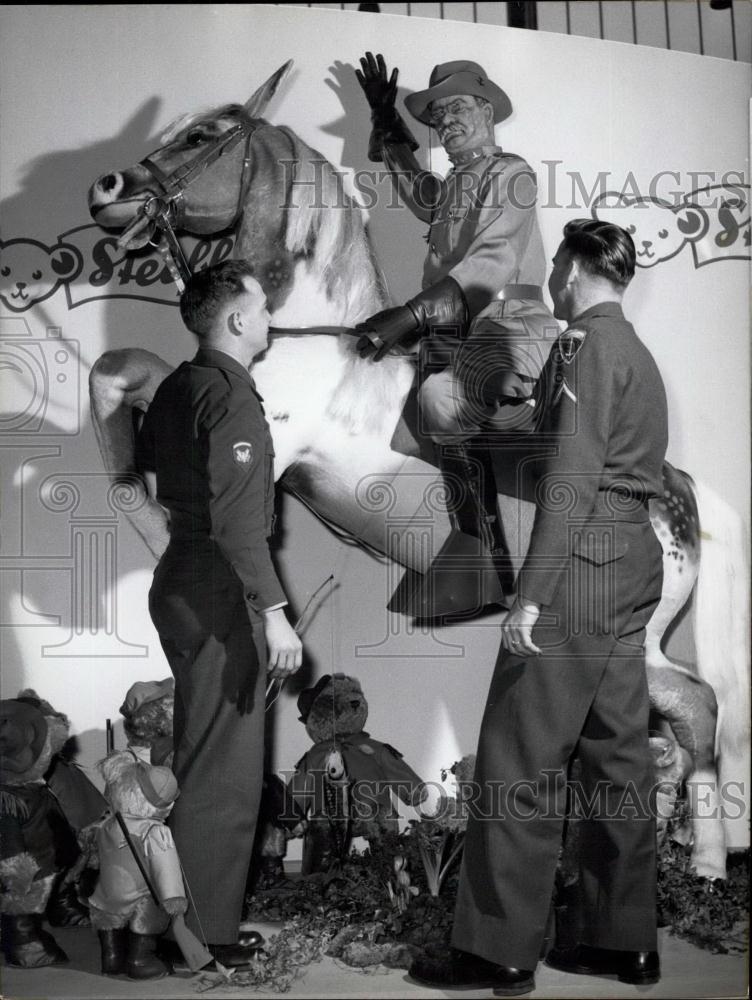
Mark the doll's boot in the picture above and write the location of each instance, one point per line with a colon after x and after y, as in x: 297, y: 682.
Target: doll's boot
x: 142, y: 957
x: 113, y: 945
x: 26, y: 945
x: 64, y: 909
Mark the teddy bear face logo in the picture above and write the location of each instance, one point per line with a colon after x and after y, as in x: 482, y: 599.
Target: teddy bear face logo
x: 31, y: 272
x: 659, y: 230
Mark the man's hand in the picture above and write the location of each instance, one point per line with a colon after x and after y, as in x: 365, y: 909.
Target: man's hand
x: 382, y: 331
x: 284, y: 648
x: 380, y: 92
x: 517, y: 628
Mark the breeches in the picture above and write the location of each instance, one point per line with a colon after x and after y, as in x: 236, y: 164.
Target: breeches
x: 502, y: 358
x: 218, y: 660
x: 586, y: 695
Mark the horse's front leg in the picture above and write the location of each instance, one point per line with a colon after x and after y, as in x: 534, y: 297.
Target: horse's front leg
x: 688, y: 704
x: 120, y: 382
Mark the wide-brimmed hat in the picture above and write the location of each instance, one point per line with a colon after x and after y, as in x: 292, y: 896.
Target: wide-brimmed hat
x: 307, y: 697
x: 458, y: 77
x: 23, y: 731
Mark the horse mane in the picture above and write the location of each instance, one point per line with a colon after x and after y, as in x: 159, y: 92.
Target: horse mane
x: 326, y: 225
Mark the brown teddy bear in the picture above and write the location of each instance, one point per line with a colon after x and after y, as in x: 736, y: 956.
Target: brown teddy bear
x: 122, y: 909
x: 36, y: 840
x: 344, y: 783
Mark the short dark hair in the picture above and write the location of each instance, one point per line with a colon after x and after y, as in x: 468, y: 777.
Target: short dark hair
x: 209, y: 290
x: 605, y: 250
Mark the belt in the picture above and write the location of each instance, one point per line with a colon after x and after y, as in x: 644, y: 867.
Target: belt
x: 521, y: 292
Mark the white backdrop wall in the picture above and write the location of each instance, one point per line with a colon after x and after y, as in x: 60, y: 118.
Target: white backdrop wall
x: 87, y: 89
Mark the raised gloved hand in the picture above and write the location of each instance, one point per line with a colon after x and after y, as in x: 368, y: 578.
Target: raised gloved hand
x: 381, y: 93
x: 442, y: 306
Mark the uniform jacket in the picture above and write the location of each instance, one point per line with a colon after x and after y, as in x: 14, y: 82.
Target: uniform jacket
x: 604, y: 416
x: 484, y: 230
x: 120, y: 882
x: 206, y: 437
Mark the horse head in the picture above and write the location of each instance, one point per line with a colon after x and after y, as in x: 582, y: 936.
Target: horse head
x: 293, y: 221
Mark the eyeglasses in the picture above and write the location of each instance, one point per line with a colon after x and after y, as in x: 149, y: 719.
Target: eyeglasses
x: 456, y: 108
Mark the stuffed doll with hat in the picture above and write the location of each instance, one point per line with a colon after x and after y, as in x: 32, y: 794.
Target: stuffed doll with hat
x: 81, y: 803
x: 147, y: 711
x: 123, y: 910
x: 36, y: 840
x: 344, y: 783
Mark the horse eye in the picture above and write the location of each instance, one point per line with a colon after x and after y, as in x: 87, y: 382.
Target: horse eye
x: 194, y: 138
x: 663, y: 233
x: 631, y: 229
x: 37, y: 275
x: 5, y: 272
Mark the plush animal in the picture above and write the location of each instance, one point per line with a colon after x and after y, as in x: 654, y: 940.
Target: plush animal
x: 127, y: 918
x: 344, y: 783
x: 147, y: 712
x: 81, y: 803
x: 36, y: 841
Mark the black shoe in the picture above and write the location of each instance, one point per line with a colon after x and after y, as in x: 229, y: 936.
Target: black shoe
x: 113, y: 946
x: 65, y: 909
x: 239, y: 954
x: 636, y: 967
x: 461, y: 970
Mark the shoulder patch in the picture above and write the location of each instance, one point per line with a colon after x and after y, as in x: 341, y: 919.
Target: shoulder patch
x: 570, y: 342
x: 242, y: 454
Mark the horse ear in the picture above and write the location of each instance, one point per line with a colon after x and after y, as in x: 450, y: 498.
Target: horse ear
x: 256, y: 105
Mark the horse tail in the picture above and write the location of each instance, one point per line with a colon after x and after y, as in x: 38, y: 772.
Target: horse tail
x: 722, y: 618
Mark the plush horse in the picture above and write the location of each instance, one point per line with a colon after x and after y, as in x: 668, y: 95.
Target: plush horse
x: 334, y: 416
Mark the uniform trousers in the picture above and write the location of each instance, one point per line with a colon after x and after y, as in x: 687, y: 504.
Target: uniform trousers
x: 218, y: 657
x: 586, y: 695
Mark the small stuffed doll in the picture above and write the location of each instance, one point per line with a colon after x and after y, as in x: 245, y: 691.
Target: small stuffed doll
x: 36, y: 841
x: 81, y: 803
x: 344, y: 783
x: 148, y: 710
x: 122, y: 909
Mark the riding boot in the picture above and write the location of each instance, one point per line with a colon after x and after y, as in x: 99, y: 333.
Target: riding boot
x: 26, y: 945
x: 142, y: 957
x: 113, y: 945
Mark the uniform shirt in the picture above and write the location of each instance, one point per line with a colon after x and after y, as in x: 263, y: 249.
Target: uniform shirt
x: 605, y: 418
x: 206, y: 437
x: 484, y: 232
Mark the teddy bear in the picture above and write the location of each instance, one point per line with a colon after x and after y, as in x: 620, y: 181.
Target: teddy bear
x: 128, y: 920
x: 344, y: 783
x: 147, y: 712
x: 81, y: 803
x: 37, y: 843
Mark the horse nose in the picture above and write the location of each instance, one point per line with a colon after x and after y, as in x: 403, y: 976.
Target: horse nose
x: 108, y: 182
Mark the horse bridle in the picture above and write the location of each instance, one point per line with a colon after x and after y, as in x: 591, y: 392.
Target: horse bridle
x: 166, y: 211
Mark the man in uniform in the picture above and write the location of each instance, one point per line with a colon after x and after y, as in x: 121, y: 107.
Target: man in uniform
x: 571, y: 674
x: 484, y: 328
x: 216, y: 601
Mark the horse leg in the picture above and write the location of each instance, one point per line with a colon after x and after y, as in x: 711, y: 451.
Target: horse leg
x: 120, y: 382
x: 688, y: 704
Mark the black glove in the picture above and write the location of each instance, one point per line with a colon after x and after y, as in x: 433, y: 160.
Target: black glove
x: 385, y: 329
x: 381, y: 93
x: 440, y: 310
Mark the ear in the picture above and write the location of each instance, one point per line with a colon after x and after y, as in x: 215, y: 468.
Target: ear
x: 66, y: 261
x: 692, y: 222
x: 256, y: 105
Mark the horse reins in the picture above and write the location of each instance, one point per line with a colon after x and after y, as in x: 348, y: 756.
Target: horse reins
x: 166, y: 210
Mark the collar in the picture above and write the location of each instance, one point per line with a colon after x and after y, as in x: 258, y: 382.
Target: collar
x: 469, y: 155
x: 209, y: 357
x: 599, y: 309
